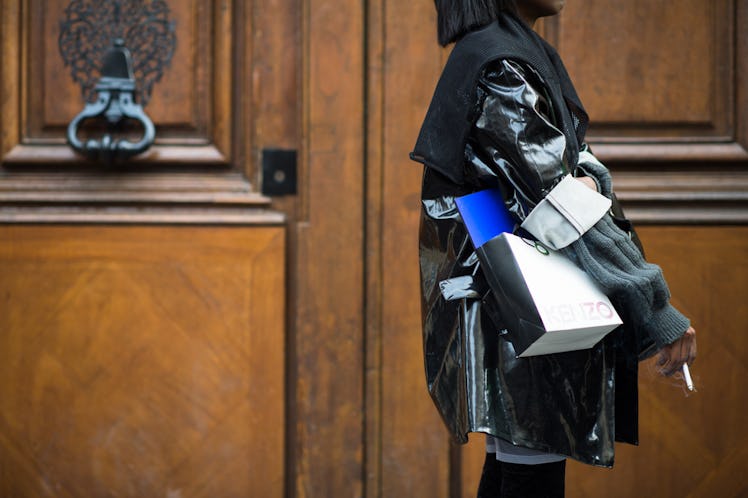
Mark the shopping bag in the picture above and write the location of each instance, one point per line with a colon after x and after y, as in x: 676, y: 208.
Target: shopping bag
x: 547, y: 304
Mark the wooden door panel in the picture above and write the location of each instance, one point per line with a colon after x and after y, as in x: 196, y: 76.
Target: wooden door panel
x: 691, y: 444
x: 328, y: 265
x: 252, y: 75
x: 672, y: 88
x: 651, y: 73
x: 142, y: 361
x: 190, y: 105
x: 665, y: 89
x: 675, y: 139
x: 409, y: 446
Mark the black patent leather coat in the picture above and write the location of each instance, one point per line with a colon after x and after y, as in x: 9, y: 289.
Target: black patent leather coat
x: 577, y: 403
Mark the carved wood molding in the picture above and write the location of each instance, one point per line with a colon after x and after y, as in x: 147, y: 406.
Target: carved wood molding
x: 140, y: 216
x: 204, y: 153
x: 649, y: 152
x: 684, y: 101
x: 63, y: 155
x: 192, y: 106
x: 670, y: 123
x: 96, y: 187
x: 679, y: 197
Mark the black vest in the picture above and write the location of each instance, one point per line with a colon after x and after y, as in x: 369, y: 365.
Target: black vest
x: 441, y: 141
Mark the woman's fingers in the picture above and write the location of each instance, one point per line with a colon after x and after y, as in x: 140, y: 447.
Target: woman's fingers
x: 673, y: 356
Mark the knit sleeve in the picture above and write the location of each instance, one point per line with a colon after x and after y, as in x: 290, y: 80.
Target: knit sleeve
x: 608, y: 255
x: 515, y: 142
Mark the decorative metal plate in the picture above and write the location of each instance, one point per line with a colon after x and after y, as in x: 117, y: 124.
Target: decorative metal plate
x: 91, y: 26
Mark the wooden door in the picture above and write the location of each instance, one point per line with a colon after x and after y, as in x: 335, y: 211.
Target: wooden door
x: 666, y: 89
x: 167, y: 329
x: 141, y: 360
x: 143, y: 320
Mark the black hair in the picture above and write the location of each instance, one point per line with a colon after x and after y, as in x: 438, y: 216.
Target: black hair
x: 456, y: 18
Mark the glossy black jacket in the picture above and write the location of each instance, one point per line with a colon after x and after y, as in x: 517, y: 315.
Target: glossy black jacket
x: 576, y: 404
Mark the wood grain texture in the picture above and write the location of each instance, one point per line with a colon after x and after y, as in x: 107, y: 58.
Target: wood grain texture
x: 698, y: 179
x: 270, y: 117
x: 347, y: 84
x: 375, y: 43
x: 191, y: 105
x: 410, y: 452
x: 741, y: 64
x: 202, y: 107
x: 674, y: 89
x: 673, y: 92
x: 694, y: 196
x: 10, y: 23
x: 328, y: 266
x: 415, y: 443
x: 141, y: 361
x: 691, y: 445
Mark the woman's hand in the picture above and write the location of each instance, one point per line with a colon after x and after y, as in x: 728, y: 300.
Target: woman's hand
x: 587, y: 181
x: 673, y: 356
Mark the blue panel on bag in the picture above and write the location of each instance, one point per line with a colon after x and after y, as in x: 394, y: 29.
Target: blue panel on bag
x: 485, y: 215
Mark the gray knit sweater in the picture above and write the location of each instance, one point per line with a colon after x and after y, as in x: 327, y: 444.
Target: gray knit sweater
x: 611, y: 258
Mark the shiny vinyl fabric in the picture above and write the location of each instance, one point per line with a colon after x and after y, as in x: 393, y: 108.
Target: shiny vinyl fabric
x: 575, y: 404
x: 562, y: 403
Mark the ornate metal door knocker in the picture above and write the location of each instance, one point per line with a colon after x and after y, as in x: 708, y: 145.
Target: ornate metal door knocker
x: 96, y: 39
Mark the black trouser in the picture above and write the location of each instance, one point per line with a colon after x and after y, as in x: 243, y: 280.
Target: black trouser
x: 511, y: 480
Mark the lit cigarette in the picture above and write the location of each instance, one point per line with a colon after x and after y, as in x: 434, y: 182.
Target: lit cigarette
x: 687, y: 377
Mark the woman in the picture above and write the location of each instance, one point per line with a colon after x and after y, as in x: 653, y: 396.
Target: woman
x: 506, y: 114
